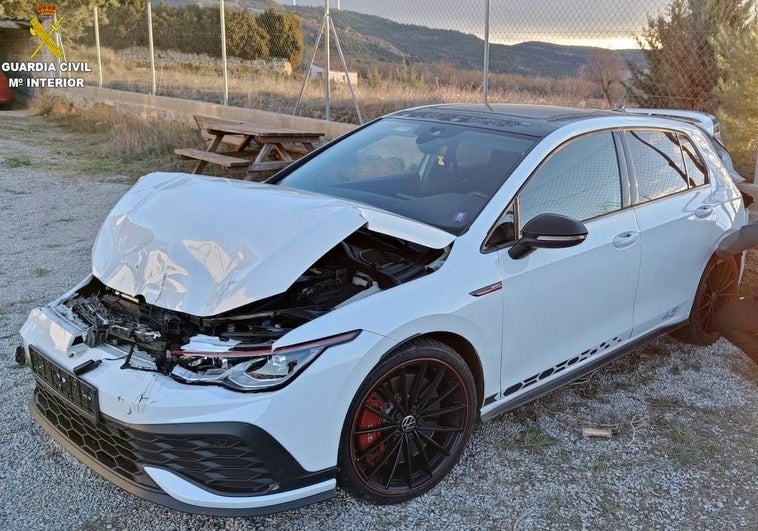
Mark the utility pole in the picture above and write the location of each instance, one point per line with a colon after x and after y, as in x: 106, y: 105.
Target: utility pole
x: 327, y: 25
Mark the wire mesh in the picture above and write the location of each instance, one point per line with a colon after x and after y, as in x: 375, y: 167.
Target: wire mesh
x: 397, y: 53
x: 594, y: 53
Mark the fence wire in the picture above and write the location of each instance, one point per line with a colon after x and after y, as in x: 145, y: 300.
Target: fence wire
x: 398, y: 53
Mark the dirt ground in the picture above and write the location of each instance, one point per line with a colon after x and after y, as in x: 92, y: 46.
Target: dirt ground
x: 683, y: 454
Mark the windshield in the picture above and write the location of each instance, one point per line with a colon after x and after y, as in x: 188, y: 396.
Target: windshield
x: 441, y: 174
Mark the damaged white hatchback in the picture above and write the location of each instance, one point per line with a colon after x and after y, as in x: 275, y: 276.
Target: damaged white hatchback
x: 243, y: 348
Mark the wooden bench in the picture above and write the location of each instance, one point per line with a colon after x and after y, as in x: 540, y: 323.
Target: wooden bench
x: 205, y: 157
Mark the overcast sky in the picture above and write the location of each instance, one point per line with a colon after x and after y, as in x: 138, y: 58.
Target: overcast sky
x: 612, y: 23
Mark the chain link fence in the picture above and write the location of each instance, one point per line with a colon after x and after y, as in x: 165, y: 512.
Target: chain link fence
x: 349, y: 60
x: 391, y: 54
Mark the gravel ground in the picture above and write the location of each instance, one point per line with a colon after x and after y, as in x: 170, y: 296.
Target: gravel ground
x: 684, y: 456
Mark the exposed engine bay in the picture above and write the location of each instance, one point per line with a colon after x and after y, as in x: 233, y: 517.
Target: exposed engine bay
x: 159, y: 339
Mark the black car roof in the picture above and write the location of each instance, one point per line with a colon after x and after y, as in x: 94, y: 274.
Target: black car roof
x: 532, y: 120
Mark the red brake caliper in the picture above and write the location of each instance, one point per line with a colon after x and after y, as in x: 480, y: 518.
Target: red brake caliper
x: 368, y: 420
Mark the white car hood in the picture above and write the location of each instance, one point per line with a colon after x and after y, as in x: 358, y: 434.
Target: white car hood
x: 205, y: 245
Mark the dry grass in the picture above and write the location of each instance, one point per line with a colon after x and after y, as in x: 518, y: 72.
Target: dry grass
x: 381, y: 92
x: 125, y: 145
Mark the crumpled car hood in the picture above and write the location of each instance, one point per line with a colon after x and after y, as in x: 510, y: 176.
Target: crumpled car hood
x: 205, y: 245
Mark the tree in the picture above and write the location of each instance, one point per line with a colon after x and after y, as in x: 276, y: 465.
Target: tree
x: 285, y: 34
x: 244, y: 37
x: 77, y: 13
x: 682, y: 70
x: 606, y: 70
x: 738, y: 95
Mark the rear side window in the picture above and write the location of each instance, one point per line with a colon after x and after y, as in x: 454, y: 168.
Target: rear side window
x: 696, y: 169
x: 658, y: 164
x: 664, y: 163
x: 580, y: 180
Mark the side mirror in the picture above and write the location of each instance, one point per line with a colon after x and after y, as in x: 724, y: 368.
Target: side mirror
x: 548, y: 231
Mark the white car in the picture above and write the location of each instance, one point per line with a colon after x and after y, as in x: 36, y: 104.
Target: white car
x: 243, y: 348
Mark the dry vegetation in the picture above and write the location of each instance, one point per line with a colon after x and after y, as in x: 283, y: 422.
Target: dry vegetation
x: 382, y: 91
x: 109, y: 142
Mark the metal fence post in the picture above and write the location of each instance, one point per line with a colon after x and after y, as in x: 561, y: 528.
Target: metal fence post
x: 150, y: 44
x: 486, y: 82
x: 97, y: 48
x: 223, y: 53
x: 328, y: 63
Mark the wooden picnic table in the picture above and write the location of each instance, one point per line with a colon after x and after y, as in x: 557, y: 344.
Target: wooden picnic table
x: 254, y: 147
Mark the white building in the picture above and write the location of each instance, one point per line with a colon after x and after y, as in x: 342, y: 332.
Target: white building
x: 338, y: 76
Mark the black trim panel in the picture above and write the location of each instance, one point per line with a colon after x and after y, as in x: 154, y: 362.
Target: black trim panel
x: 596, y: 363
x: 157, y: 495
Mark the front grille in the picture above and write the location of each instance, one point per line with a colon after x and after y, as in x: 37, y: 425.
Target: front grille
x: 217, y: 461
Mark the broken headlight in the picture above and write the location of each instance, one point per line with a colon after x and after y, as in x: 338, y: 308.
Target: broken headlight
x: 249, y: 370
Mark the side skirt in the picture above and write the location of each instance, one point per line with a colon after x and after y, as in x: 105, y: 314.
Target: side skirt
x: 537, y: 392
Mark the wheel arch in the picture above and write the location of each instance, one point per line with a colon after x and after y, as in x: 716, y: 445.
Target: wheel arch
x: 460, y: 345
x: 694, y: 332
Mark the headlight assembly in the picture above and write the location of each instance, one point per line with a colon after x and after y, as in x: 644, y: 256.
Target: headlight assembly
x: 253, y: 369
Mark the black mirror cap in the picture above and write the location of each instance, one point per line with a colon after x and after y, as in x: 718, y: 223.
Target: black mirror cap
x: 548, y: 231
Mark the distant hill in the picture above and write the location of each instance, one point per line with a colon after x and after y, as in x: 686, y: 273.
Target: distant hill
x: 368, y: 38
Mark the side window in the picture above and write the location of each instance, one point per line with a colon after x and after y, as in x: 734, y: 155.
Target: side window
x: 696, y: 169
x: 658, y: 164
x: 581, y: 180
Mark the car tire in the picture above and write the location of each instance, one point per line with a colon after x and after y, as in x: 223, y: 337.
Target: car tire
x: 407, y: 424
x: 718, y: 285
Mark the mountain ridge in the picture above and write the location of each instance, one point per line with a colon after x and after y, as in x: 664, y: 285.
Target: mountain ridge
x: 368, y: 39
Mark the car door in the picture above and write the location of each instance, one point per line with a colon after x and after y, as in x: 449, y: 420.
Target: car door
x: 563, y: 306
x: 679, y: 223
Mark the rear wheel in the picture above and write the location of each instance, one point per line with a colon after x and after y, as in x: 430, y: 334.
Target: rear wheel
x: 717, y: 287
x: 408, y: 423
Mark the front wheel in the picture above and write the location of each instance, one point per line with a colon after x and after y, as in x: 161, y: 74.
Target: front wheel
x: 718, y: 286
x: 408, y: 423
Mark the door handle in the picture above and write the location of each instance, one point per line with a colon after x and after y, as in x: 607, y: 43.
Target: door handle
x: 703, y: 211
x: 625, y: 239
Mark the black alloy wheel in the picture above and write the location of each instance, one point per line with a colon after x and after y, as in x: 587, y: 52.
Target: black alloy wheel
x: 718, y: 286
x: 408, y: 423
